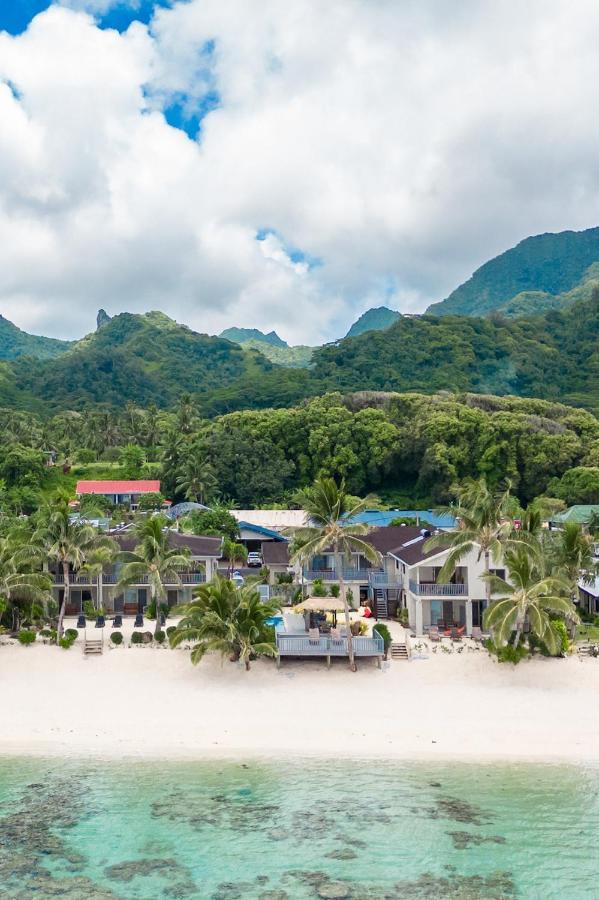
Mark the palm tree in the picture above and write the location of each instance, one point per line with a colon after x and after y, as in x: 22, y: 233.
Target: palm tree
x: 69, y: 543
x: 528, y: 597
x: 226, y: 619
x: 328, y: 508
x: 197, y: 479
x: 153, y: 558
x: 235, y: 553
x: 484, y: 525
x: 572, y: 554
x: 16, y: 583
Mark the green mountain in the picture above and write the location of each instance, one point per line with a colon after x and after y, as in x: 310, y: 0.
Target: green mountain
x: 377, y: 319
x: 298, y: 357
x: 525, y: 278
x: 15, y: 343
x: 144, y: 358
x: 243, y: 335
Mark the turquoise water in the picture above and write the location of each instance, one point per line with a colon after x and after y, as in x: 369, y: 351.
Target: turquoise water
x: 297, y: 830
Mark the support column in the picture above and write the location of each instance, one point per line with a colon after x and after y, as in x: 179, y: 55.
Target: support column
x: 419, y: 628
x: 468, y: 617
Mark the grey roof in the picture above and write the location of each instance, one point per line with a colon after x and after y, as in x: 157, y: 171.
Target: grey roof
x: 198, y: 545
x: 275, y: 553
x: 405, y: 542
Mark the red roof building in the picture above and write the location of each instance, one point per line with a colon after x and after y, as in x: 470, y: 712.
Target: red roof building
x: 118, y: 491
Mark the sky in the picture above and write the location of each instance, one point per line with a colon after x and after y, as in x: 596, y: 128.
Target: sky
x: 283, y: 165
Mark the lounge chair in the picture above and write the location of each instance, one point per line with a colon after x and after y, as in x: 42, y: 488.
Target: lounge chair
x: 433, y: 633
x: 162, y: 619
x: 476, y: 633
x: 139, y: 621
x: 100, y: 622
x: 314, y: 636
x: 455, y: 635
x: 117, y: 622
x: 81, y: 622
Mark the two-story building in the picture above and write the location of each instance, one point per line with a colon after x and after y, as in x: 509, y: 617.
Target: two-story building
x: 119, y: 493
x: 103, y: 587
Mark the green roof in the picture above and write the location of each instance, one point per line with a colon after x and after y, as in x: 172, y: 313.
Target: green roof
x: 580, y: 514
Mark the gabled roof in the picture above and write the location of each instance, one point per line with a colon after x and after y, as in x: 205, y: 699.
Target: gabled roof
x: 198, y: 545
x: 118, y: 487
x: 258, y: 529
x: 581, y: 514
x: 277, y: 519
x: 405, y: 542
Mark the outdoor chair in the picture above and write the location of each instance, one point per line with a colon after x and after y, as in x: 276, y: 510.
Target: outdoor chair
x: 433, y: 633
x: 117, y: 622
x: 81, y: 622
x: 476, y: 633
x: 100, y: 622
x: 314, y: 636
x: 455, y: 635
x: 336, y: 635
x: 162, y: 619
x: 139, y: 621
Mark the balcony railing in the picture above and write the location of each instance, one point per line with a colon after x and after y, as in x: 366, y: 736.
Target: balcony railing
x: 301, y: 645
x: 349, y: 574
x: 384, y: 579
x: 110, y: 578
x: 438, y: 590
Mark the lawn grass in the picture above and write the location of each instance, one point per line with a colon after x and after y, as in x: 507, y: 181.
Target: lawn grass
x: 586, y: 632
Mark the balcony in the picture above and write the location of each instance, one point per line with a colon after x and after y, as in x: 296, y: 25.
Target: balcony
x: 349, y: 574
x: 111, y: 578
x: 379, y: 578
x: 438, y: 590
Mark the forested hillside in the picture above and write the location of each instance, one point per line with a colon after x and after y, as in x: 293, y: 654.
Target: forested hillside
x: 374, y: 320
x: 408, y: 448
x: 14, y: 343
x: 546, y: 265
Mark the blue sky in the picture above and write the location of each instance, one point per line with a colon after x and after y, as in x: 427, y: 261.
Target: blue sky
x: 15, y: 15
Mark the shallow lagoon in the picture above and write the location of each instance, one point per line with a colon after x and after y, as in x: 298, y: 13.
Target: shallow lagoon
x: 297, y: 830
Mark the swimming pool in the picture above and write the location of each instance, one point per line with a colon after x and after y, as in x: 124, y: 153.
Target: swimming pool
x: 274, y: 621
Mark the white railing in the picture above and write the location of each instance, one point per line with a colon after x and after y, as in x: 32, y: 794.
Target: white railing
x: 111, y: 578
x: 325, y: 645
x: 438, y: 590
x: 384, y: 579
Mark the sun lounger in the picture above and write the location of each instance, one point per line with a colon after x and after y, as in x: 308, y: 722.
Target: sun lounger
x: 162, y: 619
x: 314, y: 636
x: 433, y: 633
x: 117, y: 622
x: 476, y: 633
x: 139, y: 621
x: 455, y: 635
x: 81, y: 622
x: 100, y: 622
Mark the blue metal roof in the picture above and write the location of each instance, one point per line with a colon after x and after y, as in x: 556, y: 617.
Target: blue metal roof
x: 378, y: 518
x: 181, y: 509
x: 259, y: 529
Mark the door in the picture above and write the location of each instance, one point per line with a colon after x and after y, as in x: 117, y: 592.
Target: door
x: 172, y: 598
x: 119, y: 604
x: 142, y: 599
x: 448, y: 613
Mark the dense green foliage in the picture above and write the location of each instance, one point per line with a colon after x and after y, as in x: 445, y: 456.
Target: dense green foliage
x: 547, y: 263
x: 151, y: 360
x: 14, y: 343
x: 376, y: 319
x: 298, y: 357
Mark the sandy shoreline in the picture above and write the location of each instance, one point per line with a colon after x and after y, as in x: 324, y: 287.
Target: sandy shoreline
x: 149, y: 703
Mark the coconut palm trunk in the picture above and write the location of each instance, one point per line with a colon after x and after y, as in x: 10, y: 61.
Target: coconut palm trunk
x: 65, y: 599
x: 343, y: 594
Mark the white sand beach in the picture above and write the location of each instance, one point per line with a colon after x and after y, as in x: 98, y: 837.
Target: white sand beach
x: 143, y: 702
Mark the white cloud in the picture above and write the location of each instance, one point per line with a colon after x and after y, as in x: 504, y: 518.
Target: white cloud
x: 400, y: 144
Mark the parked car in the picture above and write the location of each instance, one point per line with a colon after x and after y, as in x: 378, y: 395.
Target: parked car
x: 254, y: 559
x: 237, y: 578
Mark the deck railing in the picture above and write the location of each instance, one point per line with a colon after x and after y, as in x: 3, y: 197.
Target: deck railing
x: 302, y: 645
x: 349, y: 574
x: 384, y: 579
x: 438, y: 590
x: 110, y: 578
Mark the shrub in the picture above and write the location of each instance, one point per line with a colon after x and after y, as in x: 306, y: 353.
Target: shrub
x: 117, y: 638
x: 66, y: 643
x: 47, y: 633
x: 160, y: 637
x: 384, y: 632
x: 508, y: 653
x: 150, y: 610
x: 86, y: 455
x: 147, y: 637
x: 403, y: 616
x: 318, y: 588
x: 284, y: 578
x: 26, y: 637
x: 72, y: 634
x: 334, y: 590
x: 137, y: 637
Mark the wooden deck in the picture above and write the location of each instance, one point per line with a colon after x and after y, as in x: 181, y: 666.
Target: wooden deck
x: 301, y: 645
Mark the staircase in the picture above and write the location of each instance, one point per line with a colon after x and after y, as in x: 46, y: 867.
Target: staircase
x: 399, y: 650
x: 93, y: 646
x: 380, y: 603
